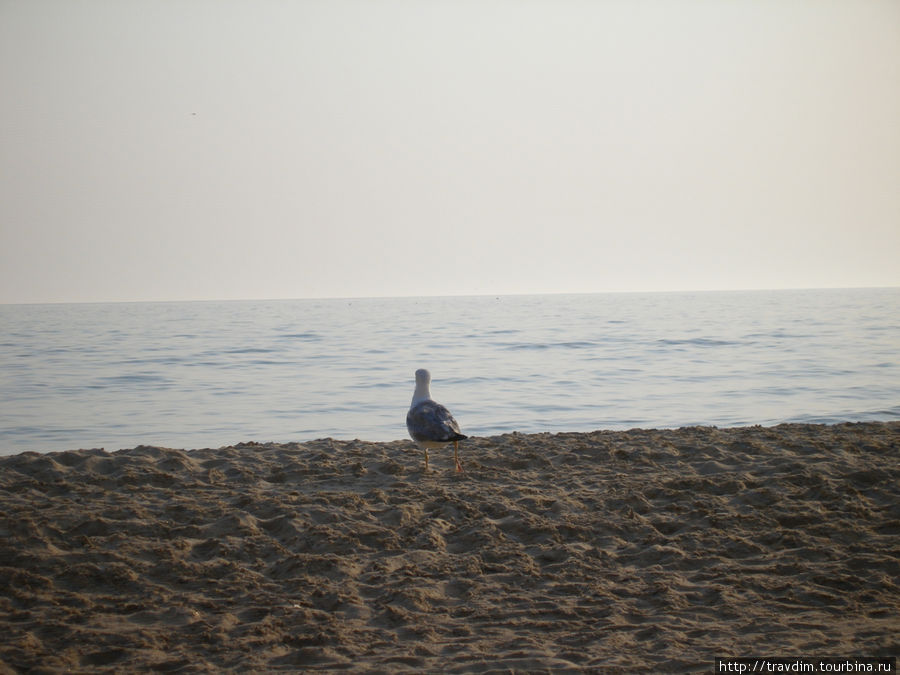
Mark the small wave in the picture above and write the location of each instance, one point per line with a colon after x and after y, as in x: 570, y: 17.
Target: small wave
x: 372, y: 385
x: 550, y: 345
x: 877, y: 415
x: 300, y: 336
x: 698, y: 342
x: 132, y: 379
x: 248, y: 350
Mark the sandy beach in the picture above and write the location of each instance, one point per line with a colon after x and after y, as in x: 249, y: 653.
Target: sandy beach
x: 639, y: 550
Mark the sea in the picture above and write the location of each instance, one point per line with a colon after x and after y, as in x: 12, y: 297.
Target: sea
x: 211, y: 374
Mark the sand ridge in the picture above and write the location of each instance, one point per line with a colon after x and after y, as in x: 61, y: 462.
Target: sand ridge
x: 646, y: 549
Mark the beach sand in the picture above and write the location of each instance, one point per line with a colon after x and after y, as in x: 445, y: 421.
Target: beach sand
x: 637, y: 550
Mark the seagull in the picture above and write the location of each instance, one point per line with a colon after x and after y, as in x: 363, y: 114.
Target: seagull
x: 429, y: 423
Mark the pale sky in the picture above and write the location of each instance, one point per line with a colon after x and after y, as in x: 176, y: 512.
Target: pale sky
x: 216, y: 149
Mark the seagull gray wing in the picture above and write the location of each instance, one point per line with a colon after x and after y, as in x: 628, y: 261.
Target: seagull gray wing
x: 431, y: 422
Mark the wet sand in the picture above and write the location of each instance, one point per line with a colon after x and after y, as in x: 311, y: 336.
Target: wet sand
x: 619, y: 551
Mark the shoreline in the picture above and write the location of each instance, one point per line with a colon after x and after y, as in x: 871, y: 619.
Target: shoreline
x: 640, y: 549
x: 814, y: 422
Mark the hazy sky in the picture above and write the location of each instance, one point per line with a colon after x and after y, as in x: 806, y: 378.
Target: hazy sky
x: 204, y: 149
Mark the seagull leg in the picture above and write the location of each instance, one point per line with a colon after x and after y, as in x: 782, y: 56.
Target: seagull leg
x: 456, y: 455
x: 426, y: 459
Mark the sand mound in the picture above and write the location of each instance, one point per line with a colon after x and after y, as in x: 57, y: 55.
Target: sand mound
x: 644, y: 549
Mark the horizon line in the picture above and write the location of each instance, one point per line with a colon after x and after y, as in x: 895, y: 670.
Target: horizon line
x: 451, y: 295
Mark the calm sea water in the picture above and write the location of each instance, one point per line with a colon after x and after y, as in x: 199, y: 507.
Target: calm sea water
x: 207, y: 374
